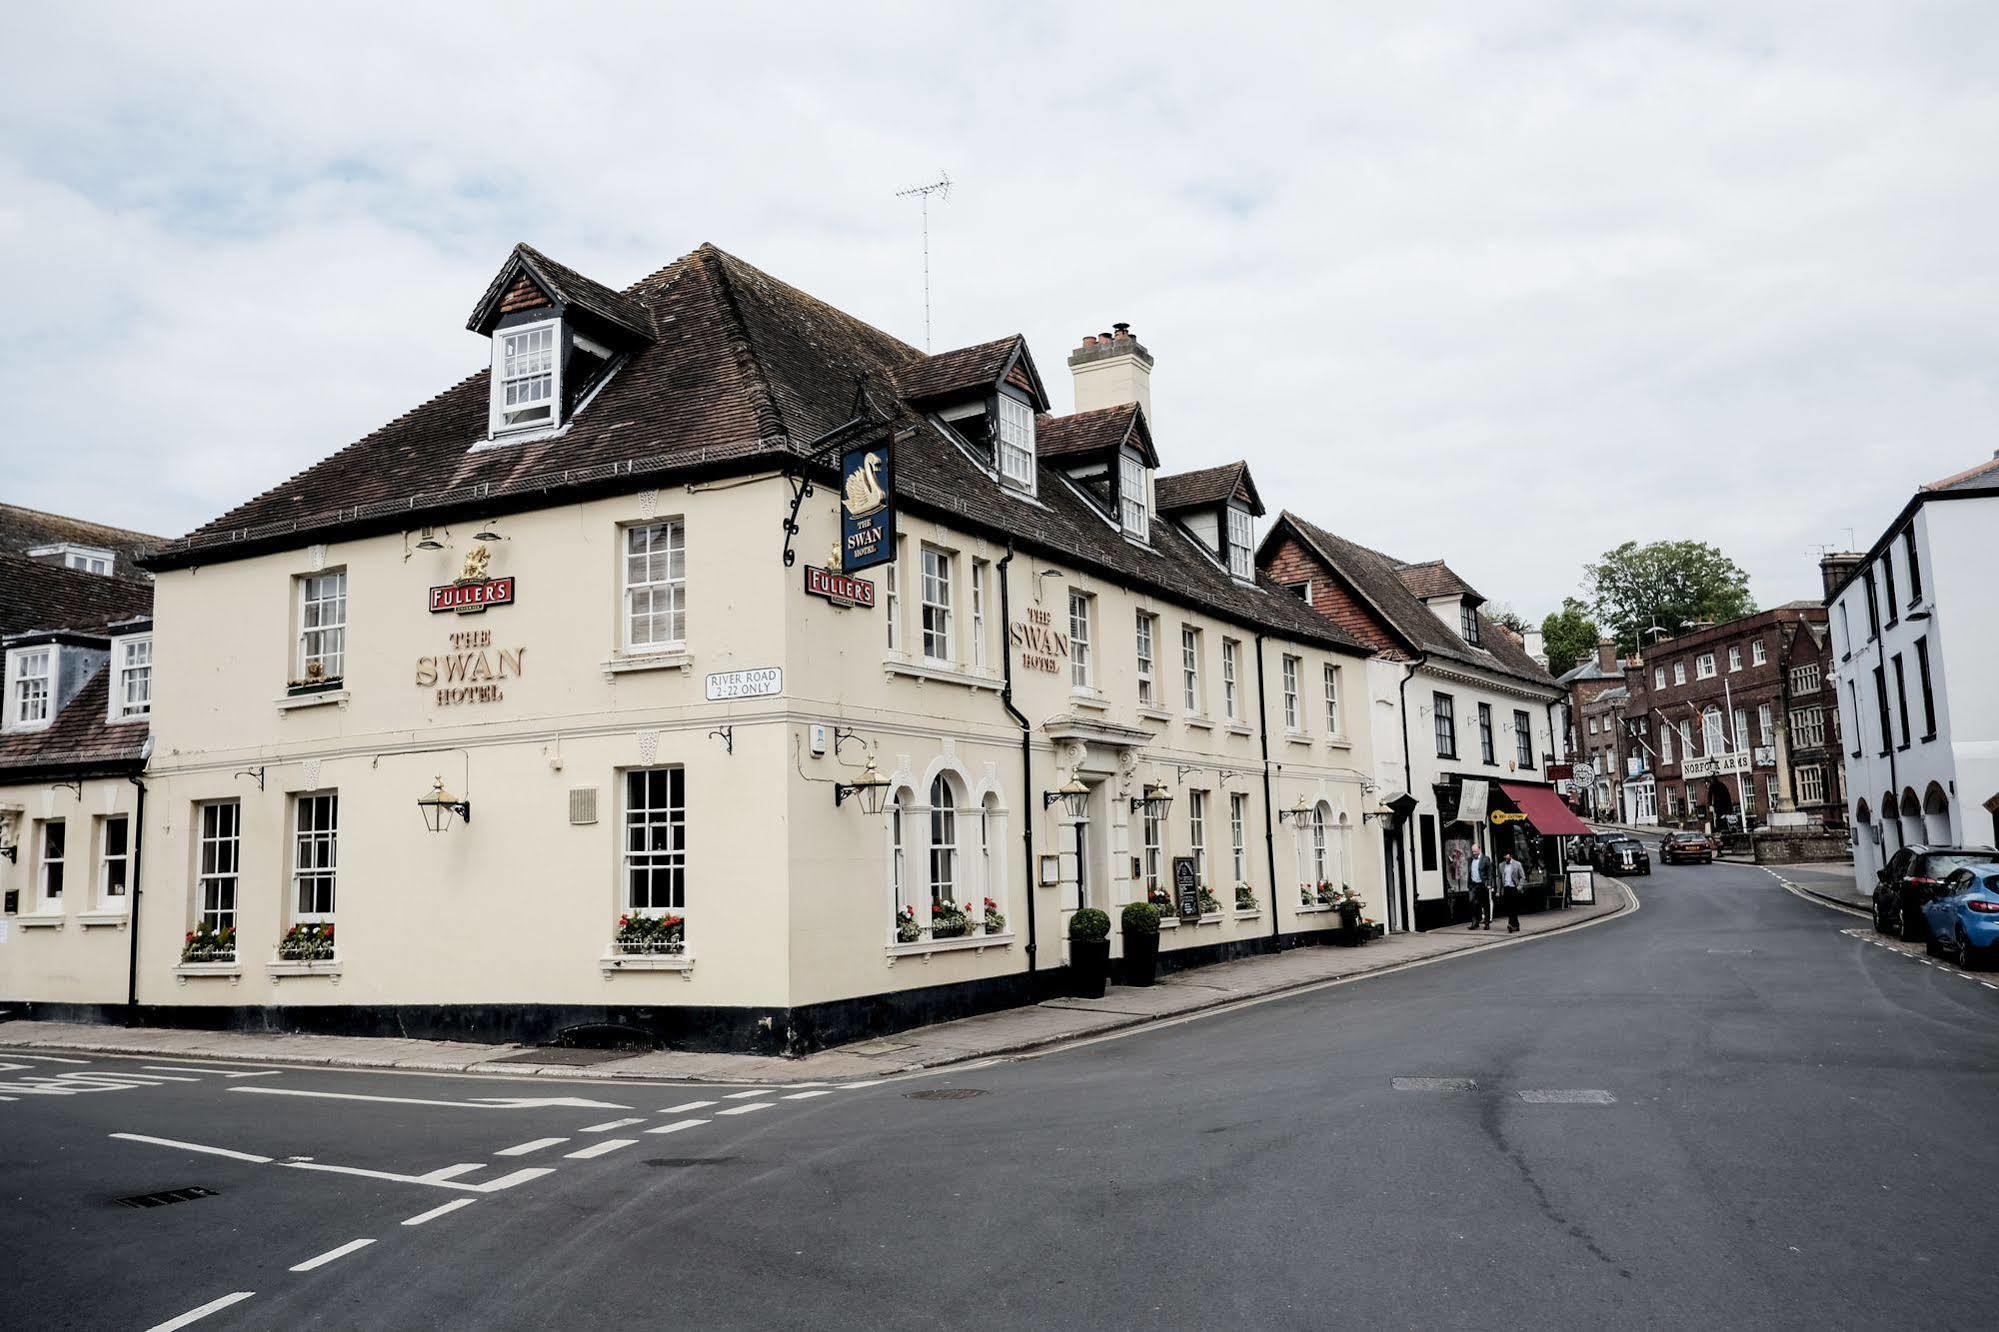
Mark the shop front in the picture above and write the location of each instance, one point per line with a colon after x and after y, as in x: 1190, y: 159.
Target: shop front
x: 1532, y: 822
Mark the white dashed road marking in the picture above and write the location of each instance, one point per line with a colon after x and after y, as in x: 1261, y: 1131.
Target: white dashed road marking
x: 438, y: 1211
x: 678, y: 1125
x: 1433, y: 1084
x: 169, y: 1068
x: 745, y: 1095
x: 331, y: 1254
x: 747, y: 1107
x: 610, y: 1124
x: 683, y: 1109
x: 1579, y: 1097
x: 195, y: 1147
x: 604, y: 1148
x: 807, y: 1095
x: 194, y: 1314
x: 522, y: 1149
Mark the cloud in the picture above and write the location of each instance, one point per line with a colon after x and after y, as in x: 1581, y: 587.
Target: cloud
x: 1508, y: 285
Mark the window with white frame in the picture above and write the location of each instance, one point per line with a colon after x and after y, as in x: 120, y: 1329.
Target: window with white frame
x: 1320, y: 869
x: 30, y: 687
x: 978, y: 612
x: 1679, y: 672
x: 1704, y: 666
x: 936, y: 596
x: 525, y: 373
x: 1239, y: 835
x: 1291, y: 718
x: 132, y: 677
x: 898, y: 854
x: 1242, y: 559
x: 322, y: 627
x: 1734, y: 658
x: 114, y: 862
x: 1687, y: 738
x: 1741, y: 729
x: 1332, y: 682
x: 1808, y: 727
x: 1231, y: 657
x: 1774, y: 789
x: 1765, y: 723
x: 1153, y: 832
x: 655, y: 852
x: 1485, y: 749
x: 1081, y: 675
x: 1658, y: 677
x: 1197, y: 834
x: 1148, y: 627
x: 656, y: 586
x: 1592, y: 726
x: 218, y: 863
x: 1016, y: 442
x: 315, y: 855
x: 1444, y: 715
x: 1749, y: 797
x: 943, y: 841
x: 1131, y: 496
x: 88, y: 561
x: 1190, y: 668
x: 1758, y: 654
x: 1711, y: 734
x: 1805, y: 679
x: 892, y: 604
x: 1523, y: 739
x: 1665, y: 744
x: 54, y: 856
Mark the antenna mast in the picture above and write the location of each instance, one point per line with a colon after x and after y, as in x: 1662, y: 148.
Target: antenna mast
x: 941, y: 187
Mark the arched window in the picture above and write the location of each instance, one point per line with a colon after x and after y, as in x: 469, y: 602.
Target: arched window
x: 992, y: 852
x: 1343, y: 851
x: 1319, y: 874
x: 943, y: 841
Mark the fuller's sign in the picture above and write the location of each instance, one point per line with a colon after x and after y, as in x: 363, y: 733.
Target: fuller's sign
x: 838, y: 588
x: 867, y: 507
x: 471, y: 597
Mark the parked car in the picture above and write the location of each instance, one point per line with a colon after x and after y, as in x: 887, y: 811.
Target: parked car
x: 1621, y: 854
x: 1680, y: 847
x: 1963, y: 915
x: 1911, y: 878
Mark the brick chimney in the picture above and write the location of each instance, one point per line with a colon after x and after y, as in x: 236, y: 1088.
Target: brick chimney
x: 1111, y: 369
x: 1834, y: 566
x: 1606, y: 655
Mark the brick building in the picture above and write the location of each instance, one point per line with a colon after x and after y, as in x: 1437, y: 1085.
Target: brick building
x: 1594, y: 722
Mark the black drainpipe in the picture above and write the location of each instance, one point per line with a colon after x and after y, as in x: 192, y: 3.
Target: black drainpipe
x: 1269, y: 832
x: 1026, y: 748
x: 1411, y: 865
x: 132, y: 920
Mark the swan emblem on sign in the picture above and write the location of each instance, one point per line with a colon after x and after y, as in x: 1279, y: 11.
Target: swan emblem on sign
x: 864, y: 493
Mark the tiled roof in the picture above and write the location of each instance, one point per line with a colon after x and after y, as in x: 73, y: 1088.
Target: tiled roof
x: 81, y: 740
x: 23, y: 530
x: 1207, y: 488
x: 746, y: 372
x: 1433, y: 578
x: 1984, y: 475
x: 1379, y: 579
x: 1102, y: 430
x: 1588, y: 670
x: 956, y: 372
x: 36, y: 594
x: 566, y: 285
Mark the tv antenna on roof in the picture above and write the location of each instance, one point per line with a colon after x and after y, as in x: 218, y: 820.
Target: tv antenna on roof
x: 941, y: 187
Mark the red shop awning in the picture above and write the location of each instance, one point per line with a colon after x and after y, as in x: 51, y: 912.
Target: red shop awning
x: 1545, y: 810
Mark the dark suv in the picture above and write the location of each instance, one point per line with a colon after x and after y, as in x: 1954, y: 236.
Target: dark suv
x: 1619, y: 854
x: 1911, y: 878
x: 1680, y: 847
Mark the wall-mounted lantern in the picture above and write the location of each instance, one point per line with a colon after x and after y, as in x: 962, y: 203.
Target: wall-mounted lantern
x: 870, y: 787
x: 1155, y: 800
x: 1298, y: 814
x: 440, y: 805
x: 1074, y: 795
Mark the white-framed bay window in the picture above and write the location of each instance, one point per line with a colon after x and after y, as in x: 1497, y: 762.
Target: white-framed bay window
x: 527, y: 377
x: 114, y: 862
x: 131, y: 677
x: 218, y: 863
x: 936, y: 600
x: 1016, y: 443
x: 322, y: 627
x: 30, y: 688
x: 655, y: 586
x: 653, y: 863
x: 315, y: 855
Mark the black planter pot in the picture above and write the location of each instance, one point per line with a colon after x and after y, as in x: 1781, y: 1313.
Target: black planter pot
x: 1089, y: 967
x: 1141, y: 959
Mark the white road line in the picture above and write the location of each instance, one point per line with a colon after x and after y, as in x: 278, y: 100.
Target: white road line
x: 46, y: 1059
x: 1579, y: 1097
x: 522, y: 1149
x: 856, y: 1086
x: 195, y: 1147
x: 678, y: 1125
x: 491, y: 1186
x: 193, y: 1315
x: 747, y: 1107
x: 452, y: 1171
x: 595, y: 1150
x: 1433, y: 1084
x: 332, y: 1254
x: 744, y: 1096
x: 440, y: 1210
x: 610, y: 1124
x: 808, y: 1095
x: 261, y: 1073
x: 684, y: 1108
x: 169, y: 1068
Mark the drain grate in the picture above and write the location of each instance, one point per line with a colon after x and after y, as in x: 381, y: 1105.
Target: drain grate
x: 945, y: 1094
x: 166, y: 1197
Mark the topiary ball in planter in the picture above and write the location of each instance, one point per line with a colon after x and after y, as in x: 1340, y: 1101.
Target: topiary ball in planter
x: 1141, y: 943
x: 1089, y: 923
x: 1141, y: 918
x: 1089, y: 953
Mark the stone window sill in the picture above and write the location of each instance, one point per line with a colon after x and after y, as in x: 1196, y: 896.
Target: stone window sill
x: 41, y: 920
x: 104, y: 918
x: 328, y: 967
x: 293, y: 702
x: 1338, y: 742
x: 923, y: 948
x: 1199, y: 722
x: 230, y: 971
x: 1237, y: 728
x: 614, y: 962
x: 943, y: 674
x: 1298, y: 737
x: 1314, y: 910
x: 1248, y: 913
x: 1154, y: 714
x: 622, y: 663
x: 1089, y: 698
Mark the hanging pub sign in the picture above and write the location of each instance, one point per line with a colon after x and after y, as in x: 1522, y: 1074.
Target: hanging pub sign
x: 474, y: 589
x: 1472, y: 800
x: 838, y: 588
x: 867, y: 507
x: 1187, y: 887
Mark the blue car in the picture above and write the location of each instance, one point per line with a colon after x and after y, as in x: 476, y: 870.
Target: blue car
x: 1963, y: 916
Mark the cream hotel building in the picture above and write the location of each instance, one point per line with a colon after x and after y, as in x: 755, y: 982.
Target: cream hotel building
x: 548, y: 706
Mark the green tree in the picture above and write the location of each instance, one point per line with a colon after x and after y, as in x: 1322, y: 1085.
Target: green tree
x: 1664, y: 584
x: 1569, y: 636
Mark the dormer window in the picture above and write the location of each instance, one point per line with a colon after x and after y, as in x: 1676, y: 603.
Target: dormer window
x: 84, y: 559
x: 1132, y: 510
x: 30, y: 688
x: 1241, y: 558
x: 1016, y: 442
x: 1468, y: 623
x: 526, y: 375
x: 132, y: 677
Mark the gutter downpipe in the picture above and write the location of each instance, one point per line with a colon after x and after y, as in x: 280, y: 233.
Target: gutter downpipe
x: 1269, y: 831
x: 1026, y: 751
x: 132, y: 924
x: 1408, y: 781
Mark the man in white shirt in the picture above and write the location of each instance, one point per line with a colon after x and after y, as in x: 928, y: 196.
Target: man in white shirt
x: 1478, y: 871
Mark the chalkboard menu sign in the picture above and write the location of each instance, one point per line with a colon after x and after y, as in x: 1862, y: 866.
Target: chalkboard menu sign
x: 1186, y: 887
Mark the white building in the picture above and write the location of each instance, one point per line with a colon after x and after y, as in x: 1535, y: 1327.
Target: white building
x: 1915, y: 630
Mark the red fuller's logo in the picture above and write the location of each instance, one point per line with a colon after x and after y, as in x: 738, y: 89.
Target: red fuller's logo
x: 839, y: 588
x: 467, y: 598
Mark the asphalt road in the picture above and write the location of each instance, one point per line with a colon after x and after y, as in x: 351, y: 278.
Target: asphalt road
x: 1731, y: 1108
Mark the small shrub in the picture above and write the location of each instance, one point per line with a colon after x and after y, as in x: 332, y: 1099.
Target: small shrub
x: 1141, y: 918
x: 1090, y: 924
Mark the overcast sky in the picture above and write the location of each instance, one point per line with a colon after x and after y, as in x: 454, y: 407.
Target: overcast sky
x: 1507, y: 284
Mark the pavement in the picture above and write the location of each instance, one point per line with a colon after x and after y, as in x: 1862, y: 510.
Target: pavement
x: 1010, y: 1031
x: 1733, y: 1107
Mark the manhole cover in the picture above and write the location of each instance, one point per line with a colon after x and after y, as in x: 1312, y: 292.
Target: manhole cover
x: 166, y: 1197
x: 946, y: 1094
